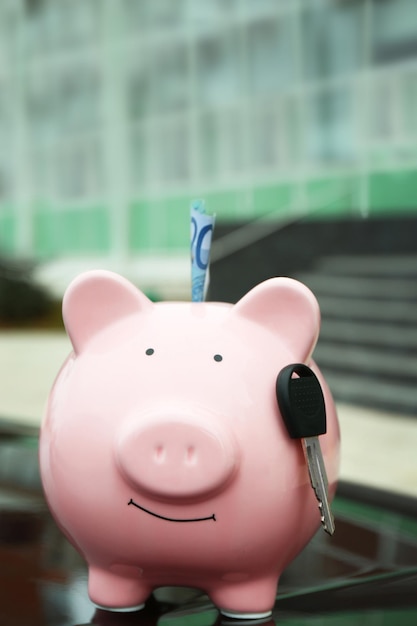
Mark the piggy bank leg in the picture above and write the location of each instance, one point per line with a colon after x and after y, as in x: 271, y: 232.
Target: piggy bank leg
x: 252, y: 599
x: 118, y: 588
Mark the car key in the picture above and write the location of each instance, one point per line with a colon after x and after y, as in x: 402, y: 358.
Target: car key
x: 301, y: 403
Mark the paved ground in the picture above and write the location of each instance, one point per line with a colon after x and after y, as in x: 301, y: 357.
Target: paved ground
x: 378, y: 449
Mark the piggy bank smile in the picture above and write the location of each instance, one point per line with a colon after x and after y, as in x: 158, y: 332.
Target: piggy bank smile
x: 171, y: 519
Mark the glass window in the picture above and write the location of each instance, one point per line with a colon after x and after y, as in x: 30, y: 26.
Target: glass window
x: 166, y: 13
x: 87, y: 21
x: 408, y: 86
x: 172, y: 150
x: 143, y: 15
x: 207, y: 15
x: 6, y: 182
x: 139, y: 153
x: 270, y: 55
x: 139, y: 89
x: 209, y: 144
x: 54, y: 25
x: 218, y: 74
x: 77, y: 168
x: 291, y: 133
x: 394, y: 30
x: 41, y: 179
x: 32, y: 7
x: 266, y: 139
x: 59, y: 101
x: 135, y: 14
x: 40, y: 104
x: 330, y: 132
x: 252, y: 8
x: 35, y: 28
x: 4, y: 108
x: 382, y: 108
x: 332, y: 35
x: 233, y: 141
x: 8, y: 35
x: 7, y: 157
x: 170, y: 78
x: 77, y: 97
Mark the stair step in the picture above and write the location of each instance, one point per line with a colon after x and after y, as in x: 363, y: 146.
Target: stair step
x: 19, y: 466
x: 388, y: 395
x: 368, y: 361
x: 386, y: 265
x: 322, y: 284
x: 367, y: 348
x: 360, y: 309
x: 391, y: 336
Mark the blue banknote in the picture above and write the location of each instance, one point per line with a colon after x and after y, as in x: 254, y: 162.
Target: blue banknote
x: 202, y: 225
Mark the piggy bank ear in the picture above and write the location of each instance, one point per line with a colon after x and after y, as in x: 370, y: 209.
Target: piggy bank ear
x: 287, y: 308
x: 96, y: 299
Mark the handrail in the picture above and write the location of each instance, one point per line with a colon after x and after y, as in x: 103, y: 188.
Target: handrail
x: 247, y: 234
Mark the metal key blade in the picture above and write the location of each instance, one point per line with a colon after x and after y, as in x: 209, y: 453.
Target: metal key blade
x: 301, y: 402
x: 319, y: 482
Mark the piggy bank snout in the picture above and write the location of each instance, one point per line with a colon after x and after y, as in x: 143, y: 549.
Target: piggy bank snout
x: 173, y: 459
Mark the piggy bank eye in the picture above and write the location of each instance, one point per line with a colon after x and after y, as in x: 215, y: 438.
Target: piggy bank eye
x: 218, y: 357
x: 149, y: 351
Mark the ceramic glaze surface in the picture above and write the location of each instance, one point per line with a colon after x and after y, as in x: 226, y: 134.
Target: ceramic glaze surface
x: 163, y: 454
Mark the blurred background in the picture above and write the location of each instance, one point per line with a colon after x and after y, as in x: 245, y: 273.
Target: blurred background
x: 295, y: 120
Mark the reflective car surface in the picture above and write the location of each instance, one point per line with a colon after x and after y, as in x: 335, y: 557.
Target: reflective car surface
x: 365, y: 573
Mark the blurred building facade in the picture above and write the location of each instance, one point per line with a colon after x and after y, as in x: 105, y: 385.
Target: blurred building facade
x: 114, y: 114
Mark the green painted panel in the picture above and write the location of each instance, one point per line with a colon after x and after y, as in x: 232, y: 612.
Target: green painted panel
x: 71, y: 231
x: 271, y: 198
x: 391, y: 191
x: 224, y: 203
x: 165, y: 222
x: 139, y: 225
x: 247, y: 204
x: 333, y: 197
x: 159, y: 224
x: 177, y: 211
x: 8, y: 229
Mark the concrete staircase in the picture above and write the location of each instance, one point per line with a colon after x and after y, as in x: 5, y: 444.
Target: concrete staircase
x: 368, y: 342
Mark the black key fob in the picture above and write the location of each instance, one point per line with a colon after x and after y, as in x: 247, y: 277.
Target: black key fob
x: 301, y: 401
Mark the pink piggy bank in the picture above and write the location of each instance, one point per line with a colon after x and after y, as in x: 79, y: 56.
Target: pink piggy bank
x: 164, y: 457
